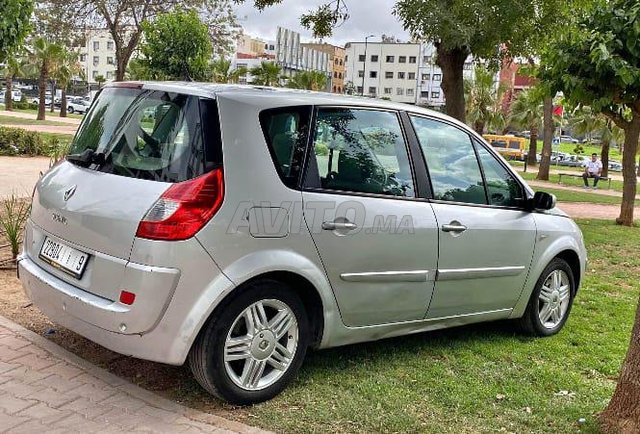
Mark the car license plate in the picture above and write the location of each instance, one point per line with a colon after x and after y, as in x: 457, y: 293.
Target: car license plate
x: 63, y: 257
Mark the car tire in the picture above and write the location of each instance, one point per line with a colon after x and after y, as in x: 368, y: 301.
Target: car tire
x: 70, y: 110
x: 245, y: 372
x: 551, y: 300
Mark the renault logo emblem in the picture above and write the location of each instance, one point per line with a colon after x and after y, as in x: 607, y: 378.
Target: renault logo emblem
x: 69, y: 193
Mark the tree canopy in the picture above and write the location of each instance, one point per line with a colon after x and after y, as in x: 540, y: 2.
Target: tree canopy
x: 176, y: 46
x: 14, y: 24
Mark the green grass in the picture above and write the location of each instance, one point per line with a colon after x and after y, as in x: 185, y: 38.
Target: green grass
x: 569, y: 148
x: 35, y: 112
x: 63, y: 137
x: 571, y: 181
x: 578, y: 196
x: 12, y: 120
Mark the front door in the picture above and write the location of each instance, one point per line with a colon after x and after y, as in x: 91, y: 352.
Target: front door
x: 486, y: 237
x: 377, y: 242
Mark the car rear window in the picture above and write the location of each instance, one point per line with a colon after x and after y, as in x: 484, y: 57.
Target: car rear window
x: 151, y: 134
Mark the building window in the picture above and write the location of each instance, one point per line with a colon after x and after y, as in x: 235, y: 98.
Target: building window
x: 109, y: 45
x: 96, y: 45
x: 339, y: 89
x: 402, y: 59
x: 412, y: 59
x: 426, y: 59
x: 399, y: 91
x: 390, y: 59
x: 361, y: 73
x: 340, y: 75
x: 346, y: 57
x: 437, y: 77
x: 374, y: 58
x: 372, y: 90
x: 272, y: 47
x: 435, y: 95
x: 387, y: 90
x: 83, y: 57
x: 426, y: 77
x: 401, y: 75
x: 373, y: 74
x: 409, y: 92
x: 411, y: 76
x: 109, y: 60
x: 361, y: 58
x: 359, y: 89
x: 109, y: 75
x: 424, y: 94
x: 94, y: 74
x: 335, y: 74
x: 96, y: 60
x: 335, y: 89
x: 388, y: 74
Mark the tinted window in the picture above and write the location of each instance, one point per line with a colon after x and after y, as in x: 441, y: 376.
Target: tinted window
x: 286, y: 132
x: 148, y: 134
x: 362, y: 151
x: 453, y: 167
x: 502, y: 187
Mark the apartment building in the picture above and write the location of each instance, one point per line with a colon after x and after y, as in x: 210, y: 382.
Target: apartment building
x: 293, y: 56
x: 430, y: 77
x: 383, y: 70
x: 98, y: 55
x: 336, y: 63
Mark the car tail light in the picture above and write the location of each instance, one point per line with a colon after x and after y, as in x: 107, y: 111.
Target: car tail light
x: 127, y: 297
x: 184, y: 208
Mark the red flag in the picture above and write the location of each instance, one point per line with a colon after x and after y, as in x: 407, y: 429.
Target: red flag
x: 558, y: 110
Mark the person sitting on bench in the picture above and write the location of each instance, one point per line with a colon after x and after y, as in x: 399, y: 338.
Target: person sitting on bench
x: 593, y: 170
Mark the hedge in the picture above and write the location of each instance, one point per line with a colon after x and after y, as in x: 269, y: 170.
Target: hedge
x: 16, y: 141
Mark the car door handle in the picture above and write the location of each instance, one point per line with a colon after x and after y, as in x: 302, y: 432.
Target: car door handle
x: 457, y: 227
x: 332, y: 226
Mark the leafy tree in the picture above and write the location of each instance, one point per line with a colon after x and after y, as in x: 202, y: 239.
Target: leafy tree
x: 222, y: 72
x: 526, y: 112
x: 309, y: 80
x: 124, y: 20
x: 45, y: 57
x: 459, y: 28
x: 483, y: 100
x: 177, y: 46
x: 14, y: 25
x: 100, y: 79
x: 67, y: 68
x: 14, y: 67
x: 598, y: 65
x: 267, y: 74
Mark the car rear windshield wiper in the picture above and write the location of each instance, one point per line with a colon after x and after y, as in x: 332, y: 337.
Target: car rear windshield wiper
x: 87, y: 158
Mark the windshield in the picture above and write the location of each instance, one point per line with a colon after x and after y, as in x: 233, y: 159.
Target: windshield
x: 145, y: 134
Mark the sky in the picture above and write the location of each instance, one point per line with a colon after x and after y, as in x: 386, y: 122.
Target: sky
x: 366, y: 17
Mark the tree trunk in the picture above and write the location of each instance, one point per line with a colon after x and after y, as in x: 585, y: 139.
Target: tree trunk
x: 631, y: 135
x: 547, y: 137
x: 623, y: 412
x: 451, y: 62
x: 42, y: 88
x: 604, y: 157
x: 533, y: 146
x: 8, y: 95
x: 63, y: 103
x: 478, y: 126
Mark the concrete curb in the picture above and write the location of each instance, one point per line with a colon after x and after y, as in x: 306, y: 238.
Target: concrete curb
x: 148, y: 397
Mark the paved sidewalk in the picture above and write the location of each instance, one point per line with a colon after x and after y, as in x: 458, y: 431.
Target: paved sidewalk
x: 44, y: 388
x: 18, y: 175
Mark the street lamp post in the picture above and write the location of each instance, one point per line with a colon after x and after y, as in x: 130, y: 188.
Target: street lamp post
x: 364, y: 69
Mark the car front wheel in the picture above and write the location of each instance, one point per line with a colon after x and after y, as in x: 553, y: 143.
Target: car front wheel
x: 254, y: 346
x: 70, y: 109
x: 551, y: 300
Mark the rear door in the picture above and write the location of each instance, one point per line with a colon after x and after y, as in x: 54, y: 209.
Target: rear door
x: 486, y: 237
x: 378, y: 243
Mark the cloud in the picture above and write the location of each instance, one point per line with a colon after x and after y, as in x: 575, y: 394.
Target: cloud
x: 367, y: 17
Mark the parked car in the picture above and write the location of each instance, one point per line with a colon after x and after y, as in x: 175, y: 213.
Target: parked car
x: 615, y: 166
x: 78, y: 105
x: 568, y: 139
x: 235, y: 227
x: 16, y: 95
x: 573, y: 161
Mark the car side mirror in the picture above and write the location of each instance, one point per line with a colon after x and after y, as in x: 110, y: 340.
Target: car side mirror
x: 543, y: 201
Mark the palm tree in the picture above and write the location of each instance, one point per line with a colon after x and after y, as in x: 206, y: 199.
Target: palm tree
x: 483, y: 100
x: 309, y: 80
x: 13, y: 68
x: 585, y: 121
x: 267, y: 74
x: 67, y: 68
x: 222, y: 72
x: 45, y: 55
x: 526, y: 112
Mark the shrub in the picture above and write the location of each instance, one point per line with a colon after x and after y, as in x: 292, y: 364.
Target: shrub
x: 16, y: 141
x: 56, y: 149
x: 13, y: 215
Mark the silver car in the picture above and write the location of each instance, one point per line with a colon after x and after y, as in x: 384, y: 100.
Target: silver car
x: 235, y: 227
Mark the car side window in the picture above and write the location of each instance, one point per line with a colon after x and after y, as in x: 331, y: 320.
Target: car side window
x: 451, y: 160
x: 286, y: 132
x: 360, y: 150
x: 502, y: 188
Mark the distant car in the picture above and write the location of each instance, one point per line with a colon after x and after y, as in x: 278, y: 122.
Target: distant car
x: 16, y: 95
x: 77, y: 105
x: 568, y: 139
x: 615, y: 166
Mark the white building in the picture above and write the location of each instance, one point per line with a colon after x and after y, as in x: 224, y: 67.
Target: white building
x: 383, y: 70
x: 430, y: 77
x: 98, y: 56
x: 294, y: 57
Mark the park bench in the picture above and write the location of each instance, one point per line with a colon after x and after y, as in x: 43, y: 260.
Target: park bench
x: 579, y: 175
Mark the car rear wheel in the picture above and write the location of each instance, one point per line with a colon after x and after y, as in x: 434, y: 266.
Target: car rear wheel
x: 253, y: 347
x: 551, y: 300
x: 70, y: 109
